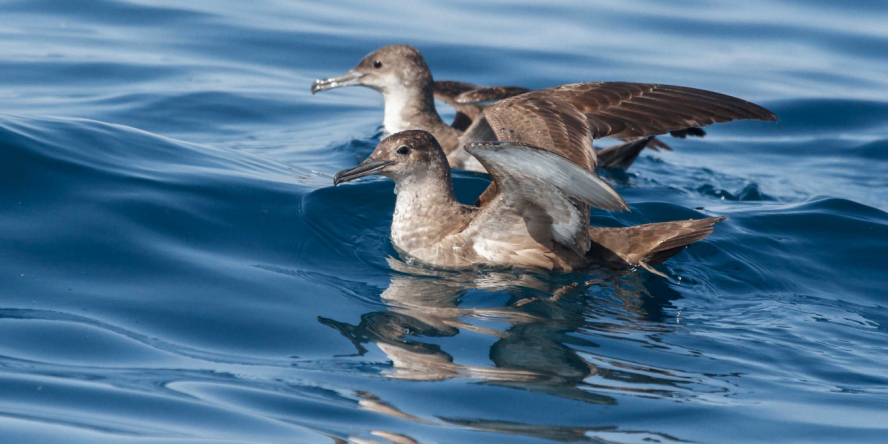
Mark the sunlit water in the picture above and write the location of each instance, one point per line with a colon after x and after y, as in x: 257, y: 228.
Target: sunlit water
x: 176, y: 267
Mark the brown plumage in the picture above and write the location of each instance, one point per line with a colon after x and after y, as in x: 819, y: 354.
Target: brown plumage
x: 621, y: 156
x: 538, y: 218
x: 569, y: 115
x: 488, y: 94
x: 648, y: 244
x: 567, y: 118
x: 463, y: 97
x: 447, y: 91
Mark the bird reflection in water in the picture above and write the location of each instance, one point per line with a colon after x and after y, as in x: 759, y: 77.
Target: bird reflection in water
x: 537, y: 350
x: 597, y: 434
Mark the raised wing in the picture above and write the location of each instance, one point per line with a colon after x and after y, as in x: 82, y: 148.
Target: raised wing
x: 546, y: 193
x: 447, y: 92
x: 485, y: 95
x: 544, y: 121
x: 469, y: 100
x: 566, y: 118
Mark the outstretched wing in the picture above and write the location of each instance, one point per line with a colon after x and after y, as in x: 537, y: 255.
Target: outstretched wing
x: 565, y: 119
x: 485, y: 95
x: 469, y: 100
x: 543, y: 193
x: 447, y: 92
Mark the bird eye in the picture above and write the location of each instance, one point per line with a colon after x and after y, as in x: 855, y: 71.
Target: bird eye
x: 377, y: 64
x: 403, y: 150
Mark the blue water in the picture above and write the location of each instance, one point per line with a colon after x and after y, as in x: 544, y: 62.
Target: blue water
x: 175, y: 266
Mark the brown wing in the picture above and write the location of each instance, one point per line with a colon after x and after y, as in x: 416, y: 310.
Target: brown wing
x: 488, y: 94
x: 546, y: 121
x: 612, y: 109
x: 469, y: 100
x: 447, y: 91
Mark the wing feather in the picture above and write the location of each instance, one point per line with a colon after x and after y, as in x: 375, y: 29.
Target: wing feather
x: 489, y: 94
x: 447, y: 91
x: 469, y: 100
x: 564, y: 119
x: 549, y: 192
x: 548, y: 123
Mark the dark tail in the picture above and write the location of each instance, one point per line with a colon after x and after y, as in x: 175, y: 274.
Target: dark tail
x: 621, y: 156
x: 646, y: 245
x: 461, y: 121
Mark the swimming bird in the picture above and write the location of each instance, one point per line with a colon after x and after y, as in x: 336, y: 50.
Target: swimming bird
x: 538, y: 216
x: 401, y: 74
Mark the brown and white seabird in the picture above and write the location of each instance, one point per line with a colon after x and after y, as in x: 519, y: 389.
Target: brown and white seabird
x: 538, y: 217
x: 630, y: 111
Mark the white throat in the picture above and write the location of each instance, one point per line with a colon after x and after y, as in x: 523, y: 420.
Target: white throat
x: 395, y: 101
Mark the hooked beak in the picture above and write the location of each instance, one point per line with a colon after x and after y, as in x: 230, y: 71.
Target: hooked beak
x: 350, y: 78
x: 366, y: 168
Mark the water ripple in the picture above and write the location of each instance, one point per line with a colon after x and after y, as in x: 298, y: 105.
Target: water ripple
x: 176, y: 267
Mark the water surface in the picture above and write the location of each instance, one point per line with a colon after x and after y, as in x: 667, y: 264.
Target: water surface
x: 175, y: 266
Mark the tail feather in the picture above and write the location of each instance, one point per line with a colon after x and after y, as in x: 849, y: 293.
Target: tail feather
x: 646, y: 245
x: 621, y: 156
x: 692, y: 131
x: 658, y: 144
x: 461, y: 121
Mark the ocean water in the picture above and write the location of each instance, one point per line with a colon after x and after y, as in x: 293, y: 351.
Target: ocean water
x: 176, y: 267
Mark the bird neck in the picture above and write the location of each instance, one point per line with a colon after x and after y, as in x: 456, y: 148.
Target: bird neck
x: 410, y: 106
x: 426, y: 211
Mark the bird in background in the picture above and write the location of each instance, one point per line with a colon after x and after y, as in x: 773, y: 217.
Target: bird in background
x: 633, y: 112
